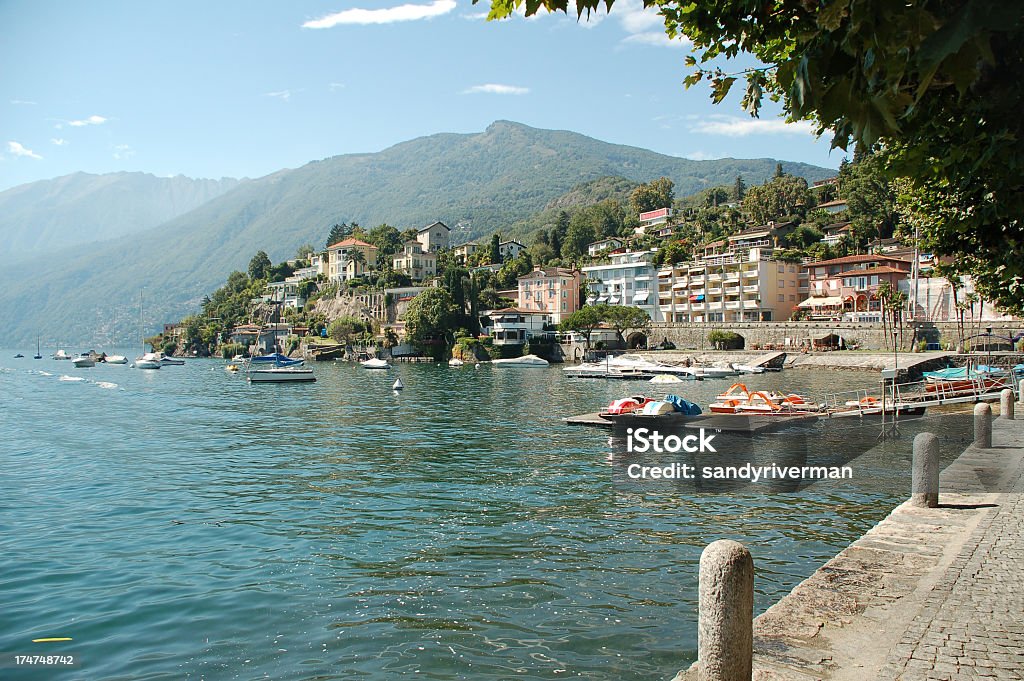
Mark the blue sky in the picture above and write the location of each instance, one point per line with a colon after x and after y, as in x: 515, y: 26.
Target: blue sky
x: 242, y: 89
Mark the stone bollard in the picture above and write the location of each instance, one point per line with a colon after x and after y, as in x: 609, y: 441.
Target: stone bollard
x: 1006, y: 404
x: 725, y: 623
x: 925, y: 471
x: 982, y: 425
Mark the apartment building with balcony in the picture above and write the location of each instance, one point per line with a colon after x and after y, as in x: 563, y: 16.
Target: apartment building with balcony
x: 729, y: 286
x: 342, y: 266
x: 630, y: 279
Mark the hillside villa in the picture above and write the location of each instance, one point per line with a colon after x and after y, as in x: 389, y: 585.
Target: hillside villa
x: 341, y: 266
x: 434, y: 237
x: 554, y: 291
x: 413, y: 261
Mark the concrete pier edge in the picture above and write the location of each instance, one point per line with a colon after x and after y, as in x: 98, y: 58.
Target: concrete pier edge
x: 927, y: 593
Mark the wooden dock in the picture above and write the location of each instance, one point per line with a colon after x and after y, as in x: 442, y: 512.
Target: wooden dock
x: 735, y: 423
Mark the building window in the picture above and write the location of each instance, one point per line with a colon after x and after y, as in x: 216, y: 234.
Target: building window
x: 782, y: 283
x: 782, y: 297
x: 782, y: 269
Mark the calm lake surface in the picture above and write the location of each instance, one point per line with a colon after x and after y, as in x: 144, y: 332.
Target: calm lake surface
x: 182, y: 524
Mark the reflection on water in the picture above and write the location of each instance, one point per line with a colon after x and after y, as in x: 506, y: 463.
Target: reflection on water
x: 188, y: 525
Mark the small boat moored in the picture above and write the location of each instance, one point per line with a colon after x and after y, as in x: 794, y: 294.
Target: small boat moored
x: 524, y: 362
x: 281, y: 375
x: 84, y: 360
x: 60, y: 354
x: 455, y: 362
x: 149, y: 360
x: 375, y: 363
x: 116, y: 359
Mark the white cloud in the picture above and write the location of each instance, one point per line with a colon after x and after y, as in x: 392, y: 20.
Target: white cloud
x: 22, y: 102
x: 478, y: 16
x: 496, y: 89
x: 58, y: 141
x: 122, y: 152
x: 656, y: 39
x: 283, y: 95
x: 388, y: 15
x: 91, y: 120
x: 734, y: 126
x: 336, y: 86
x: 701, y: 156
x: 18, y: 150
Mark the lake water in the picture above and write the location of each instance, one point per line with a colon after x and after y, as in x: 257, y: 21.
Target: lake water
x: 182, y: 524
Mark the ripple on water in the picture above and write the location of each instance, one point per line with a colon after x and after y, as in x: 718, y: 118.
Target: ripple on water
x: 191, y: 525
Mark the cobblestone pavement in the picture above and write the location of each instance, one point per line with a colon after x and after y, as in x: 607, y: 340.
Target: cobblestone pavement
x: 926, y: 595
x: 972, y: 623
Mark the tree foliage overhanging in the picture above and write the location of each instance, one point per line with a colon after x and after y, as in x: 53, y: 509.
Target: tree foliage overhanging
x: 934, y: 82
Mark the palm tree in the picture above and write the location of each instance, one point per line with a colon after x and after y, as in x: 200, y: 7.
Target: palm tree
x: 356, y: 257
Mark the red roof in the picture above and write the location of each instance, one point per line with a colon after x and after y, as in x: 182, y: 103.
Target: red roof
x: 853, y: 259
x: 350, y: 242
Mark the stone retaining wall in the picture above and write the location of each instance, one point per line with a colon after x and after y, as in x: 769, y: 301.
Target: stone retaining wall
x: 787, y: 335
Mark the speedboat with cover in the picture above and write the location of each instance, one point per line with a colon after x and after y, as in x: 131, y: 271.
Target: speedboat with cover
x: 526, y: 362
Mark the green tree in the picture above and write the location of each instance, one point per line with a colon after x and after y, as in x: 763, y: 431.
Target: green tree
x: 581, y: 234
x: 304, y: 251
x: 585, y: 320
x: 346, y: 329
x: 870, y: 197
x: 387, y: 238
x: 495, y: 251
x: 490, y: 300
x: 780, y: 198
x: 622, y: 317
x: 739, y: 189
x: 337, y: 233
x: 430, y: 317
x: 653, y: 195
x: 259, y: 265
x: 937, y: 83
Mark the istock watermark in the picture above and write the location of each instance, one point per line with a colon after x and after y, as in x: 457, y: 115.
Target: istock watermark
x: 643, y: 440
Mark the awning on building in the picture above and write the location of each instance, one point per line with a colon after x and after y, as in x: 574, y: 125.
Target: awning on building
x: 614, y: 300
x: 827, y: 301
x: 680, y: 284
x: 602, y: 299
x: 641, y: 297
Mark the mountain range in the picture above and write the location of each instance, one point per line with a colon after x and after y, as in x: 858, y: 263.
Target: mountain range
x: 476, y: 183
x: 80, y: 208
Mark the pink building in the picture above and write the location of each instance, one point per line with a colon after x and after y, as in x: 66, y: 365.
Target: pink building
x: 848, y: 286
x: 551, y: 290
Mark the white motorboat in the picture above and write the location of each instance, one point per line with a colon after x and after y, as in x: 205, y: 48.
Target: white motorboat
x: 171, y: 361
x: 524, y: 362
x: 715, y: 372
x: 666, y: 378
x: 60, y: 354
x: 455, y: 362
x: 629, y: 366
x: 116, y: 359
x: 281, y: 375
x: 747, y: 369
x: 84, y: 360
x: 149, y: 360
x: 376, y: 364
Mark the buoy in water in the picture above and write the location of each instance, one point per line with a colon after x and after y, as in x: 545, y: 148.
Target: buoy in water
x: 398, y: 385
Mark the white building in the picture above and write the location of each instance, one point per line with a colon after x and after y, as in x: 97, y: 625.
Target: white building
x: 653, y: 220
x: 434, y: 237
x: 609, y: 244
x: 513, y: 326
x: 510, y: 250
x: 631, y: 279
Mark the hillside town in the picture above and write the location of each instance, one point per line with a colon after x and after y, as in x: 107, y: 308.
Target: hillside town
x: 609, y: 276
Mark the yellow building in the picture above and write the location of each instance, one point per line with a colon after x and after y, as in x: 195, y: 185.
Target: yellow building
x: 729, y: 286
x: 414, y: 261
x: 343, y: 264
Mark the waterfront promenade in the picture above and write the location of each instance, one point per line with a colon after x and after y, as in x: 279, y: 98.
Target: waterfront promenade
x: 927, y: 594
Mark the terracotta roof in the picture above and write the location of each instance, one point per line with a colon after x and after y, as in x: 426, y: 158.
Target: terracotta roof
x: 851, y: 259
x: 350, y: 242
x: 830, y: 204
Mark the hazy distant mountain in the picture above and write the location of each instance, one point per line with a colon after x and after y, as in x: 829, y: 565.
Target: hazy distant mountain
x: 80, y: 208
x: 476, y: 183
